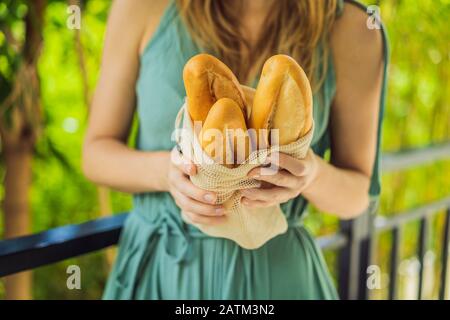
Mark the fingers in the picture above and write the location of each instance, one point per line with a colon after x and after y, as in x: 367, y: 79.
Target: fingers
x: 186, y: 187
x: 196, y: 204
x: 196, y: 211
x: 280, y: 178
x: 297, y: 167
x: 183, y: 163
x: 199, y: 208
x: 178, y: 179
x: 273, y: 195
x: 199, y: 219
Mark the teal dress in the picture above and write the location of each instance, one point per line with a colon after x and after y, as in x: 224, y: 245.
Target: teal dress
x: 160, y: 256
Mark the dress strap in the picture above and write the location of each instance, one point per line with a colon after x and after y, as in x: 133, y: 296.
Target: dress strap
x: 339, y: 7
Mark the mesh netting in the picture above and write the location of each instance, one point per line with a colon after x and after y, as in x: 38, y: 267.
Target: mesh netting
x: 248, y: 227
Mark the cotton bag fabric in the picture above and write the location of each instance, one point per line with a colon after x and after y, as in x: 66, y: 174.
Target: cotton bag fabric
x: 250, y: 228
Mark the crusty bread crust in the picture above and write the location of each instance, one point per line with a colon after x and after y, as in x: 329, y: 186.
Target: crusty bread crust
x: 283, y: 100
x: 224, y: 133
x: 207, y: 80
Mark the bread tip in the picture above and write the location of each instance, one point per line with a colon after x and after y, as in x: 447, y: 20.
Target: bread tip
x: 198, y: 62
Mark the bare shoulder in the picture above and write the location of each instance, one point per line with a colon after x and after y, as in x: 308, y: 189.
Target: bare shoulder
x: 135, y: 19
x: 138, y: 9
x: 155, y: 10
x: 356, y: 48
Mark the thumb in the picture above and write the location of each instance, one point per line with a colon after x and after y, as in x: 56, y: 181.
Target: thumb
x: 183, y: 163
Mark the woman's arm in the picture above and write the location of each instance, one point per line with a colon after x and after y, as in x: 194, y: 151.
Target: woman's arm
x: 358, y: 60
x: 107, y: 160
x: 341, y: 187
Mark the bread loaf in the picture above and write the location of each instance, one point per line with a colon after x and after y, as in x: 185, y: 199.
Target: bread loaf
x: 281, y: 104
x: 224, y: 133
x: 283, y: 101
x: 207, y: 80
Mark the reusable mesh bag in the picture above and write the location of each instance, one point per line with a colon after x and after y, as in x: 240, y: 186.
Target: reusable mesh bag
x: 248, y: 227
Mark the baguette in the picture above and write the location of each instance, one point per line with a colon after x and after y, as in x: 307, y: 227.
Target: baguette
x: 207, y: 80
x: 283, y: 101
x: 224, y: 133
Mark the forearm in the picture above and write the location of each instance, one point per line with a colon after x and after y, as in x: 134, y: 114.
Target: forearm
x: 111, y: 163
x: 338, y: 191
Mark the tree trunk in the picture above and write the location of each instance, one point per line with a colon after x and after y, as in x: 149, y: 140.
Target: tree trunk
x: 16, y: 208
x: 18, y: 135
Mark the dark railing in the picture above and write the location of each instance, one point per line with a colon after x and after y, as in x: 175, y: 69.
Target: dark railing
x: 355, y: 240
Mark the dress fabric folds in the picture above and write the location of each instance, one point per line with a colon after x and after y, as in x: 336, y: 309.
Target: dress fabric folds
x: 160, y: 256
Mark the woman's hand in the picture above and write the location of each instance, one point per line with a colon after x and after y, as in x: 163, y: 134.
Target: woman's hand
x: 197, y: 205
x: 285, y: 179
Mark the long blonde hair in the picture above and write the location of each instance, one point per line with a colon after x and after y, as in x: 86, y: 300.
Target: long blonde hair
x: 294, y: 27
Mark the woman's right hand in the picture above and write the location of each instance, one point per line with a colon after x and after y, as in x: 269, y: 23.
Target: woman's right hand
x: 197, y: 205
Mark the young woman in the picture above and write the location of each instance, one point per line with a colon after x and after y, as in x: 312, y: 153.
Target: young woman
x: 147, y: 44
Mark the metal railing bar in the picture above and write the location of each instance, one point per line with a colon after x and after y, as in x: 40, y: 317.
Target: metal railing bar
x: 394, y: 261
x: 445, y: 248
x: 332, y: 241
x: 384, y: 224
x: 33, y: 251
x: 29, y: 252
x: 406, y: 159
x: 423, y: 246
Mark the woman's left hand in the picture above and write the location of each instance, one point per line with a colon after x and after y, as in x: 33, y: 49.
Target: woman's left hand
x: 286, y: 178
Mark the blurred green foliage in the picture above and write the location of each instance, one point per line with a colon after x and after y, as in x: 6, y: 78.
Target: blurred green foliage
x: 417, y: 114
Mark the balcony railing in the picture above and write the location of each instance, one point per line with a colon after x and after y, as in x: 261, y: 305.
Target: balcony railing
x: 355, y: 239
